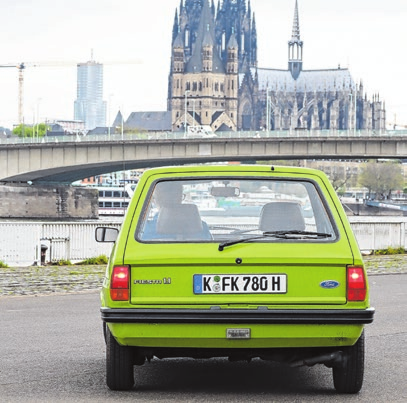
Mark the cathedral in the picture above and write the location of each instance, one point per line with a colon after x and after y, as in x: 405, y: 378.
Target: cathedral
x: 215, y: 80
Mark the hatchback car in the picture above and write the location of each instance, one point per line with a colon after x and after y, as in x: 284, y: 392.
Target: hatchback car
x: 235, y: 261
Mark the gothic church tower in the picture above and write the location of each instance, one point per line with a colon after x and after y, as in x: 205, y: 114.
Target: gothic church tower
x: 209, y: 48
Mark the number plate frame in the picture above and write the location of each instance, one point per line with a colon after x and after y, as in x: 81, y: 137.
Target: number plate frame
x: 204, y: 284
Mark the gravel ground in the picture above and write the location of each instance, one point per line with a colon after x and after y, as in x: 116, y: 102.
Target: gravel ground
x: 37, y: 280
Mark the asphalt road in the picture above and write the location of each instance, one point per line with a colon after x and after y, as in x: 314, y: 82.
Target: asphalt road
x: 52, y: 350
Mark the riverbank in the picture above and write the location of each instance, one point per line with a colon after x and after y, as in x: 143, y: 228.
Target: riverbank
x: 48, y: 280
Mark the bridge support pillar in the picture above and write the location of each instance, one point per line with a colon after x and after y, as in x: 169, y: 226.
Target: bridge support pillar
x: 47, y: 202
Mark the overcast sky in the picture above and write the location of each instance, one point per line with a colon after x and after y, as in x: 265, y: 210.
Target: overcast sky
x: 368, y: 36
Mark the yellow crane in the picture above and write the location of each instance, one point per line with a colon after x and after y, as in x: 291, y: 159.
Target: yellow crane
x: 22, y: 66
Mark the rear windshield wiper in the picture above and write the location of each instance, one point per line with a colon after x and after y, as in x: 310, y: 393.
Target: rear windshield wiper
x: 274, y: 234
x: 298, y: 232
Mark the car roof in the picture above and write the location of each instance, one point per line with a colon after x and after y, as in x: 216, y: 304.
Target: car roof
x: 202, y: 168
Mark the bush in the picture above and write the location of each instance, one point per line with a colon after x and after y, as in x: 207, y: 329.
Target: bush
x: 99, y: 260
x: 391, y: 251
x: 3, y: 265
x: 62, y: 262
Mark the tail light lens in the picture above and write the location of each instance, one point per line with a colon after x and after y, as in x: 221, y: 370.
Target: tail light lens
x: 119, y: 284
x: 356, y: 284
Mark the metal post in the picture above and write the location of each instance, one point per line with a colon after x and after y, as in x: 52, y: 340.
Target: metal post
x: 186, y: 106
x: 268, y: 110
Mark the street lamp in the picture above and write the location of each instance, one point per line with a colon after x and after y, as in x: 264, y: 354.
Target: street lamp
x: 108, y: 114
x: 186, y: 105
x: 268, y: 110
x: 353, y: 98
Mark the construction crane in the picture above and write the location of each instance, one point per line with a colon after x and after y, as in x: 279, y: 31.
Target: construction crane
x: 22, y: 66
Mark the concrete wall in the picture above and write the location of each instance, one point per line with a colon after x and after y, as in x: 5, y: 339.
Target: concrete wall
x: 48, y: 202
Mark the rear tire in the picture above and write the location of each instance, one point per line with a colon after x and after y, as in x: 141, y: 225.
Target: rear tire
x: 348, y: 378
x: 119, y: 364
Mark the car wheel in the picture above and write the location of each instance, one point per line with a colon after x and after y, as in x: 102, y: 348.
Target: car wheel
x: 348, y: 377
x: 119, y: 364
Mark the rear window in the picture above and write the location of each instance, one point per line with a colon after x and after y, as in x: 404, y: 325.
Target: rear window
x: 219, y: 210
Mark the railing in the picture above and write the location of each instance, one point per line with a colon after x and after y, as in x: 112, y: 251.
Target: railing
x: 21, y: 242
x: 221, y: 135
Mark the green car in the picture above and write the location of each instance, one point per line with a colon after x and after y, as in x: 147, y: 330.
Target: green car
x: 235, y: 261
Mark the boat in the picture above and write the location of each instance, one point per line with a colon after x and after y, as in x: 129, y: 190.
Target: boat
x: 114, y: 200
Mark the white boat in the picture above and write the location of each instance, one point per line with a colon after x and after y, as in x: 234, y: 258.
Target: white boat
x: 114, y: 200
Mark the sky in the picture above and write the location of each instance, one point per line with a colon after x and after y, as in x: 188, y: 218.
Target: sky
x: 132, y: 38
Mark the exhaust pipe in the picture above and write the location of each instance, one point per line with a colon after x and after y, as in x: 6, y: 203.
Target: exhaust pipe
x: 330, y: 360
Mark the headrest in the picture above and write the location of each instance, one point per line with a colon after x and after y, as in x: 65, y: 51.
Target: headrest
x: 179, y: 220
x: 281, y: 216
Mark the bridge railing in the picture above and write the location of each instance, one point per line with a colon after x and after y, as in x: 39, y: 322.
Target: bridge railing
x: 298, y: 133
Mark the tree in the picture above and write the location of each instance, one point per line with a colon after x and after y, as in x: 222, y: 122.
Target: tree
x: 31, y: 131
x: 381, y: 178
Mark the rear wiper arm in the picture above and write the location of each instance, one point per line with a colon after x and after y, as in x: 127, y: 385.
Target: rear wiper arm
x: 223, y: 245
x: 274, y: 234
x: 298, y: 232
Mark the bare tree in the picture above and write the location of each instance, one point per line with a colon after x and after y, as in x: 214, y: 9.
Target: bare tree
x: 381, y: 178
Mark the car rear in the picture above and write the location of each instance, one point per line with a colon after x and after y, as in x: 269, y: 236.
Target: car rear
x: 279, y: 277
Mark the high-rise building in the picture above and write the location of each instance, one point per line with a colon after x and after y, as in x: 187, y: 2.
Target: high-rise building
x: 89, y: 105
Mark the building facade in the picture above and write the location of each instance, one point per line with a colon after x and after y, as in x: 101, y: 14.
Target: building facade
x: 89, y: 106
x: 215, y: 80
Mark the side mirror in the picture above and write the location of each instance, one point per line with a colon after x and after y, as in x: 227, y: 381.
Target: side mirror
x: 106, y: 234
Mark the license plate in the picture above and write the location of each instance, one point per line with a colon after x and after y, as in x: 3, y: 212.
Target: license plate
x: 240, y: 283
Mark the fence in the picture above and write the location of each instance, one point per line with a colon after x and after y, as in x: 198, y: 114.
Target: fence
x: 21, y: 242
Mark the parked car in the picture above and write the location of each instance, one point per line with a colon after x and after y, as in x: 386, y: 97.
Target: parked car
x: 235, y: 261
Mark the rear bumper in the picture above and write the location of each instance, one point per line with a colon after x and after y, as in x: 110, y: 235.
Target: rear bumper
x: 239, y: 316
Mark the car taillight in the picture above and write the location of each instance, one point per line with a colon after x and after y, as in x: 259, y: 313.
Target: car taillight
x: 119, y: 284
x: 356, y: 284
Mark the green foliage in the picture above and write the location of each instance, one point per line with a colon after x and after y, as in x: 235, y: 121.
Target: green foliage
x: 391, y: 251
x: 99, y: 260
x: 31, y: 131
x: 62, y: 262
x: 3, y: 265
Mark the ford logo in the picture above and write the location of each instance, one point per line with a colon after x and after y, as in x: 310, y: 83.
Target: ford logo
x: 329, y: 284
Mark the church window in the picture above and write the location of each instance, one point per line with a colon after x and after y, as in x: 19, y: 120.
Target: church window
x: 177, y: 83
x: 222, y: 87
x: 216, y: 86
x: 200, y: 86
x: 194, y: 86
x: 233, y: 85
x: 207, y: 83
x: 187, y: 37
x: 188, y: 86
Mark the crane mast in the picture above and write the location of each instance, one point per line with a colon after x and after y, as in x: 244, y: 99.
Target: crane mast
x: 20, y: 68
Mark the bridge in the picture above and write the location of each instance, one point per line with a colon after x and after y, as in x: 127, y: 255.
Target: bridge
x: 64, y: 161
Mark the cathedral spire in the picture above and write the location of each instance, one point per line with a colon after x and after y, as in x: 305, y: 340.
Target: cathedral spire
x: 296, y: 25
x: 295, y: 47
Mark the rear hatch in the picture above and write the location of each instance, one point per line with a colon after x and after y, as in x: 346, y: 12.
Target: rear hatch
x: 243, y: 275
